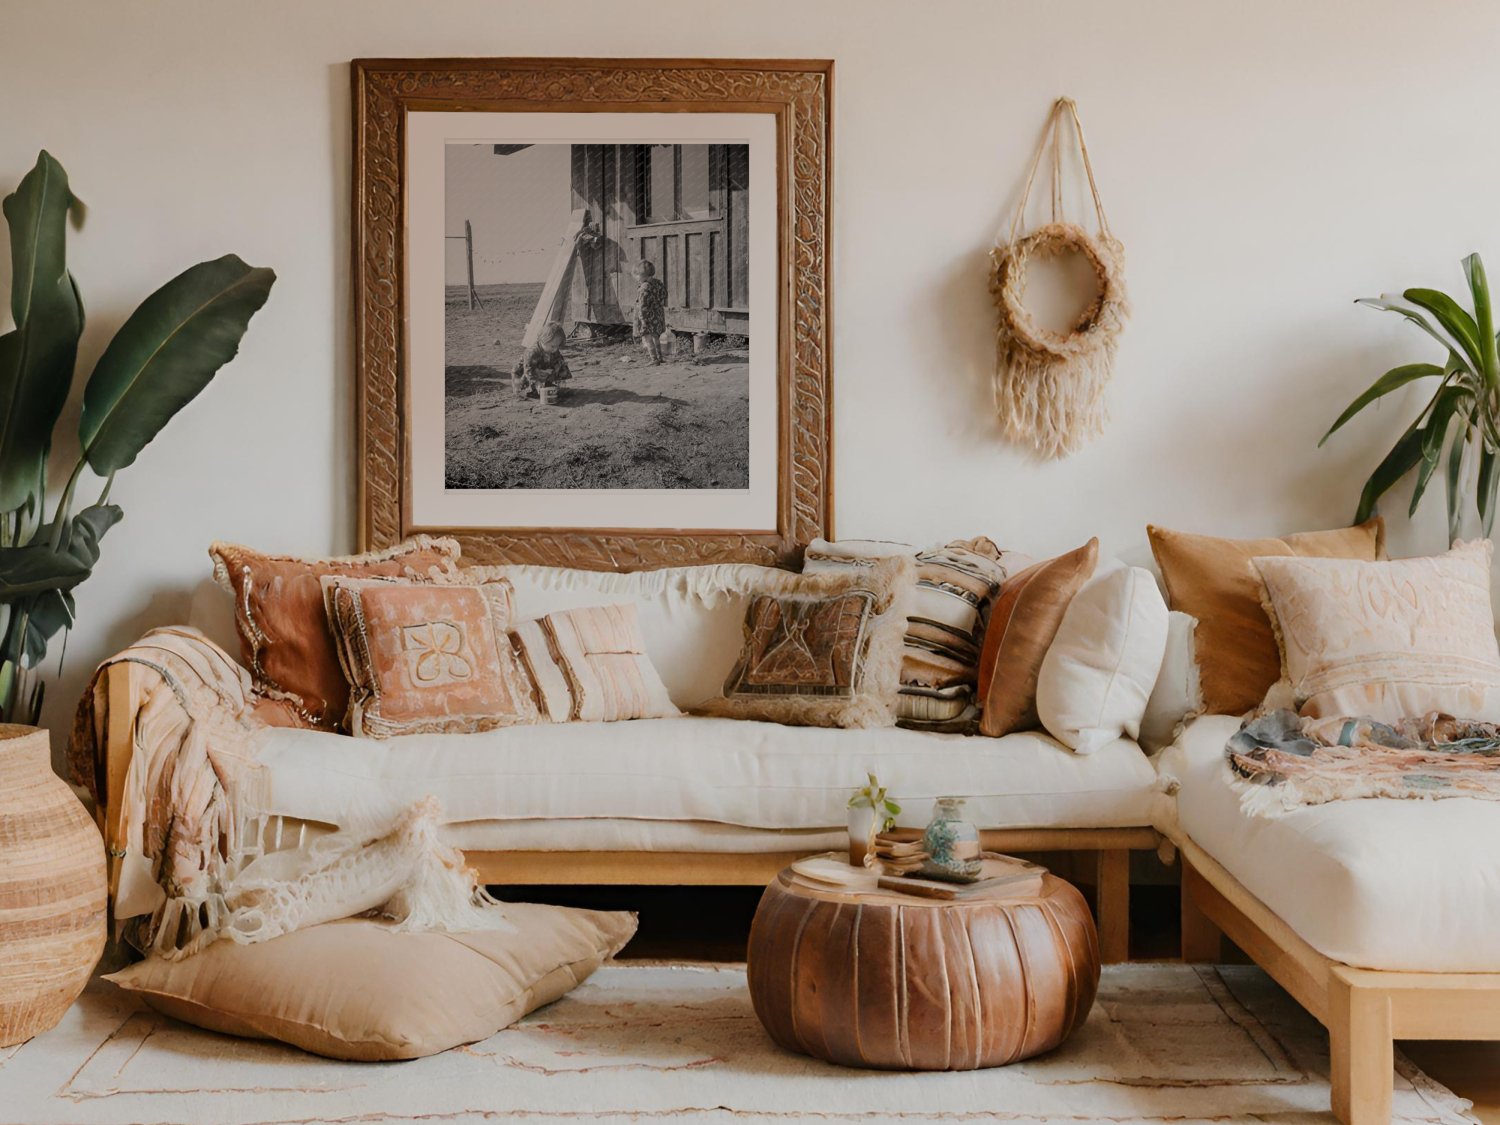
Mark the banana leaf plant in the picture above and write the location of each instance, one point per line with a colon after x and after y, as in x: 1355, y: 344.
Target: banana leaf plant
x: 1457, y: 428
x: 164, y: 354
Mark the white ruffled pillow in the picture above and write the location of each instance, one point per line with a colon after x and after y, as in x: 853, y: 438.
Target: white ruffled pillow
x: 1098, y: 674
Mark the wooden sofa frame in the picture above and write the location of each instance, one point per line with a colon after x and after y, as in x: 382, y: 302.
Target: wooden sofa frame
x: 1111, y: 846
x: 1364, y: 1010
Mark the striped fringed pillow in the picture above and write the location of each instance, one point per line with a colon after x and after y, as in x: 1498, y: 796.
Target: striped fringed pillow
x: 590, y: 665
x: 956, y: 583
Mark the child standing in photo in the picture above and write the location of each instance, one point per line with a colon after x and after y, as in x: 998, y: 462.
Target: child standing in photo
x: 650, y: 308
x: 543, y: 365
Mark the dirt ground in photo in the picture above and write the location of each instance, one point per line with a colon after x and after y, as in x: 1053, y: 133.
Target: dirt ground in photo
x: 621, y: 422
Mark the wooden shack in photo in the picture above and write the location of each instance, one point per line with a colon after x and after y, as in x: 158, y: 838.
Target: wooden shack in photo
x: 684, y: 208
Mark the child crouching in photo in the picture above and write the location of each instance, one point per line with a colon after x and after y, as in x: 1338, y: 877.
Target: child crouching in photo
x: 543, y: 365
x: 650, y: 308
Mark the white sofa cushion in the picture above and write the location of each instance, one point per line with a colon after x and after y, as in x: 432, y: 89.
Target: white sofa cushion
x: 1101, y: 665
x: 731, y: 771
x: 1378, y: 884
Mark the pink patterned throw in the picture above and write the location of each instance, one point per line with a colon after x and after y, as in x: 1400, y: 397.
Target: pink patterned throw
x: 1280, y: 761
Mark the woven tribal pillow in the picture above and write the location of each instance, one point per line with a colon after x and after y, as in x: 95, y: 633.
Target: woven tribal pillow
x: 956, y: 584
x: 590, y: 665
x: 823, y: 649
x: 427, y: 657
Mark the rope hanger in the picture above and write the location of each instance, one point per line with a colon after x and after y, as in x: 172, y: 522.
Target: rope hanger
x: 1049, y: 386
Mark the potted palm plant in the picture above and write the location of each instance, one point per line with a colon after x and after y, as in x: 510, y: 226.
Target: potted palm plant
x: 1457, y: 426
x: 162, y: 356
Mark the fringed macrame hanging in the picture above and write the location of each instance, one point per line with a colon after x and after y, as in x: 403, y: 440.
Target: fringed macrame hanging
x: 1049, y: 386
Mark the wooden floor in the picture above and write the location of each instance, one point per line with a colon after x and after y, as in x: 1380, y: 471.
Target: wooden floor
x: 713, y: 924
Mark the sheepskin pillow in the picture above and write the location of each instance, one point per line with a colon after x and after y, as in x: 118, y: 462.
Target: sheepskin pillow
x: 285, y: 640
x: 357, y: 990
x: 823, y: 650
x: 1099, y: 671
x: 1388, y: 640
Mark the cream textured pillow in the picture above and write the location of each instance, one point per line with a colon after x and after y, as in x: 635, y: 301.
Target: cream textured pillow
x: 1099, y: 671
x: 1177, y: 693
x: 356, y: 990
x: 1390, y: 640
x: 590, y: 665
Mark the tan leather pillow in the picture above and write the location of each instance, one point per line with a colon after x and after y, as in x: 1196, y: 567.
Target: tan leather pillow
x: 285, y: 640
x: 357, y: 990
x: 1214, y: 580
x: 1023, y: 622
x: 427, y: 657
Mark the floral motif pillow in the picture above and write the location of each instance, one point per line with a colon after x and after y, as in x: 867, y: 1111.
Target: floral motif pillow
x: 427, y: 657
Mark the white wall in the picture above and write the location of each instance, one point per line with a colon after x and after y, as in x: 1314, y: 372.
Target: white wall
x: 1264, y: 164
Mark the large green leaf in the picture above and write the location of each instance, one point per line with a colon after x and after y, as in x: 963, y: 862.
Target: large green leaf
x: 1448, y: 402
x: 1402, y: 458
x: 1484, y: 317
x: 1390, y: 302
x: 1488, y: 480
x: 37, y: 356
x: 166, y: 353
x: 35, y: 568
x: 1454, y: 319
x: 1394, y: 379
x: 1454, y: 480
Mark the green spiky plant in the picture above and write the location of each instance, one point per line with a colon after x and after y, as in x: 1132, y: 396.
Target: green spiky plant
x: 1457, y: 427
x: 163, y: 355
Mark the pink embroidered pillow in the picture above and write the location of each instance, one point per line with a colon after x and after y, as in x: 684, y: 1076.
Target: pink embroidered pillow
x: 590, y: 665
x: 1390, y: 640
x: 427, y: 657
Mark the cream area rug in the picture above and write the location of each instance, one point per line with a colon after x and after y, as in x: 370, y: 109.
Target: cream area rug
x: 647, y: 1042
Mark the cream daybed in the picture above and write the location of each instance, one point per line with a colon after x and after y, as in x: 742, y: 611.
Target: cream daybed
x: 1382, y: 917
x: 682, y: 800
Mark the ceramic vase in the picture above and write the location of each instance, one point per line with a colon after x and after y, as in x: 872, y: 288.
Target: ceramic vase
x: 52, y: 888
x: 951, y: 843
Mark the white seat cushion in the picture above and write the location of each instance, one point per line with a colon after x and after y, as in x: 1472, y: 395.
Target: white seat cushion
x: 730, y: 771
x: 1379, y: 884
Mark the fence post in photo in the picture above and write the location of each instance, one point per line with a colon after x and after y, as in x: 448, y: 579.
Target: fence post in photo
x: 468, y: 237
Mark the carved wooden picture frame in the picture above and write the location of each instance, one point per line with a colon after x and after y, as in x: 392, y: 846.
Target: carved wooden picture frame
x: 390, y: 99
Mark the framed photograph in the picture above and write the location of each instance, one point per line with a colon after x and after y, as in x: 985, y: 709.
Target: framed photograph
x: 592, y: 307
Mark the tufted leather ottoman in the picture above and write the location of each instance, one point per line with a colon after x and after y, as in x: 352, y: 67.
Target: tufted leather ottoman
x: 881, y: 979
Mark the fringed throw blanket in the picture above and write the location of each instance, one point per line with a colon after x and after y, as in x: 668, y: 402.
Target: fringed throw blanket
x: 191, y: 842
x: 1281, y: 761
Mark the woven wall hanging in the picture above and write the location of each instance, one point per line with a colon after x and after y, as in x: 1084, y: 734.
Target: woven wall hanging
x: 1049, y: 386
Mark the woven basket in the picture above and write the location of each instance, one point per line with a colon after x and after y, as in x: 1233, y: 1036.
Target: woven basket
x: 52, y: 889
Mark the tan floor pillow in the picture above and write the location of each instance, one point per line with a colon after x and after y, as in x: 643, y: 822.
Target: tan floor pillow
x: 358, y: 990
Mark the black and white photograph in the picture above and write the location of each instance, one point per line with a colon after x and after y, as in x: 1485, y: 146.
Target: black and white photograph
x: 596, y: 329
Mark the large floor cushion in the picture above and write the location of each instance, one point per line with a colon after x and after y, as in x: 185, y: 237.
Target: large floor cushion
x: 1379, y: 884
x: 729, y: 771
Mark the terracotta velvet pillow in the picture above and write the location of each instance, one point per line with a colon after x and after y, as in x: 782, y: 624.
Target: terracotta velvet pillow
x: 284, y: 635
x: 1025, y: 619
x: 427, y: 657
x: 823, y: 649
x: 1215, y: 581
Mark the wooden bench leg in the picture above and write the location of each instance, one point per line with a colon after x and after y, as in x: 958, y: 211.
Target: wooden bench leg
x: 1112, y: 886
x: 1361, y: 1052
x: 1202, y: 941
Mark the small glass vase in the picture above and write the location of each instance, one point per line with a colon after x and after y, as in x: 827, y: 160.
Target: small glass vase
x: 951, y: 843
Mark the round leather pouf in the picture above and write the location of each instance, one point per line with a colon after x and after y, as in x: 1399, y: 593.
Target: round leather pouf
x: 888, y: 980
